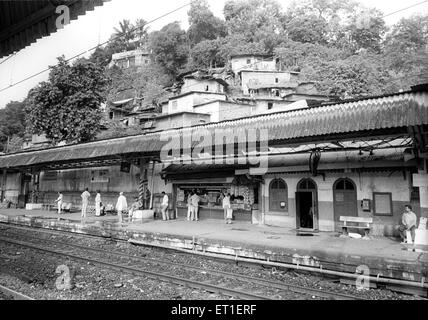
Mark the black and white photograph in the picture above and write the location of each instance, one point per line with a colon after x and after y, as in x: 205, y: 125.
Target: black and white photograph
x: 202, y: 156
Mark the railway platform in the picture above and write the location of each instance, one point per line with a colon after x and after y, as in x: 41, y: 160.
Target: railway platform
x: 384, y: 257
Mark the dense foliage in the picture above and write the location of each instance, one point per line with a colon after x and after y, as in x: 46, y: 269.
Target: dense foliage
x: 67, y: 106
x: 12, y: 126
x: 333, y: 42
x: 344, y: 47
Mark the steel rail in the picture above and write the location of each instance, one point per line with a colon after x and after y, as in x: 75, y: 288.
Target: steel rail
x: 263, y: 282
x: 14, y: 294
x: 136, y: 271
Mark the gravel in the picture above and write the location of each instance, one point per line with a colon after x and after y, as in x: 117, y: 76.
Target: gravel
x: 37, y: 273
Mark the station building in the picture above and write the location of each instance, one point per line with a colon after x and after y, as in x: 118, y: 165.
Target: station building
x: 365, y: 157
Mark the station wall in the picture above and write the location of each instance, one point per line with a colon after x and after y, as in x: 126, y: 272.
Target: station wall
x: 395, y: 183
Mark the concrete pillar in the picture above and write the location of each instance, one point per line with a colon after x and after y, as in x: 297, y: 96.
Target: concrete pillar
x: 3, y: 185
x: 142, y: 185
x: 421, y: 180
x: 423, y: 192
x: 152, y: 192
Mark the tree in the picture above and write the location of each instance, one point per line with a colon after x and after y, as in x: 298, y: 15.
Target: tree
x: 123, y: 38
x: 355, y: 76
x: 405, y: 52
x: 12, y: 123
x: 334, y: 71
x: 66, y: 107
x: 169, y: 47
x: 259, y: 21
x: 203, y: 25
x: 207, y: 54
x: 346, y: 25
x: 307, y: 28
x: 299, y: 56
x: 101, y: 56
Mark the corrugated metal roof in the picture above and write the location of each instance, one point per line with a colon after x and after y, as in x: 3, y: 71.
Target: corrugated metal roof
x: 23, y: 22
x: 396, y: 111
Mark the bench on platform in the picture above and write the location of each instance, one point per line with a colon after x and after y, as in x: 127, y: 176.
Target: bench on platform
x: 356, y: 223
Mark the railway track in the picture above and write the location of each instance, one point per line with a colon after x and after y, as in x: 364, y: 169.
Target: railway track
x: 220, y: 282
x: 12, y: 294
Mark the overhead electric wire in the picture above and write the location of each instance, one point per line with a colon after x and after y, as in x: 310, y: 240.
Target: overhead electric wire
x: 160, y: 17
x: 93, y: 48
x: 414, y: 5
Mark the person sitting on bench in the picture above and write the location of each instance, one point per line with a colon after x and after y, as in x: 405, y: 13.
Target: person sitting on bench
x: 136, y: 205
x: 408, y: 223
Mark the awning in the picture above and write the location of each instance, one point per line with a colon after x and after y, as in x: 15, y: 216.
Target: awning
x: 23, y: 22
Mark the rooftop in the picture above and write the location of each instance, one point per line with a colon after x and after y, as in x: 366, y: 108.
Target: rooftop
x: 391, y: 114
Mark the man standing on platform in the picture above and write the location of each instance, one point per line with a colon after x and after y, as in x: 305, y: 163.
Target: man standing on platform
x: 59, y: 201
x: 85, y: 200
x: 98, y: 204
x: 121, y: 206
x: 195, y: 206
x: 164, y: 206
x: 408, y: 221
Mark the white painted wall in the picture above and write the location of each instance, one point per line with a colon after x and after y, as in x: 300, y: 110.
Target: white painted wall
x: 201, y: 85
x: 187, y: 102
x: 252, y: 63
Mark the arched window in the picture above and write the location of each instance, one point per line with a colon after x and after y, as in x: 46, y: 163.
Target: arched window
x: 345, y: 200
x: 278, y: 196
x: 306, y: 184
x: 344, y: 184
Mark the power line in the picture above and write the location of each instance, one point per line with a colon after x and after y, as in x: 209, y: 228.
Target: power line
x: 134, y: 29
x: 11, y: 56
x: 93, y: 48
x: 414, y: 5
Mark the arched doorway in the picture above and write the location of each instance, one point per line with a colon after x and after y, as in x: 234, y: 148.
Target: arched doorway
x: 345, y: 199
x: 307, y: 204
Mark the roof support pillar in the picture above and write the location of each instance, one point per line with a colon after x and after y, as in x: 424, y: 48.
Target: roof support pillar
x: 152, y: 192
x: 3, y: 185
x: 142, y: 184
x: 420, y: 180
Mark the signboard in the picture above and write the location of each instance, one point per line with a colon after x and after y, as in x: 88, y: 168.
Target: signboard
x: 180, y: 195
x: 365, y: 205
x: 382, y: 204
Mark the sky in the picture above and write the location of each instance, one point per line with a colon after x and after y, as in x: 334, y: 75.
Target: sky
x: 96, y: 27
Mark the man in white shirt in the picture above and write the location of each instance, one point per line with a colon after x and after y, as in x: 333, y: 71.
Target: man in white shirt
x: 408, y: 223
x: 85, y: 200
x: 59, y: 201
x: 195, y: 206
x: 164, y: 206
x: 98, y: 204
x: 121, y: 206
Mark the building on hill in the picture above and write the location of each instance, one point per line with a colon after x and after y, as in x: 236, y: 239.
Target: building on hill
x: 253, y: 62
x: 134, y: 58
x: 251, y: 80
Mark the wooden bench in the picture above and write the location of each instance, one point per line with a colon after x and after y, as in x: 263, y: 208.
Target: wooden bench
x: 358, y: 223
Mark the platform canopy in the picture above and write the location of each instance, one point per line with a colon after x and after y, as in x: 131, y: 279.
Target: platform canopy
x: 401, y: 114
x: 23, y: 22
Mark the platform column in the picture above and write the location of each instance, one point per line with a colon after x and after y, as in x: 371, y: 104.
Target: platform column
x: 3, y: 185
x: 420, y: 180
x: 142, y: 185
